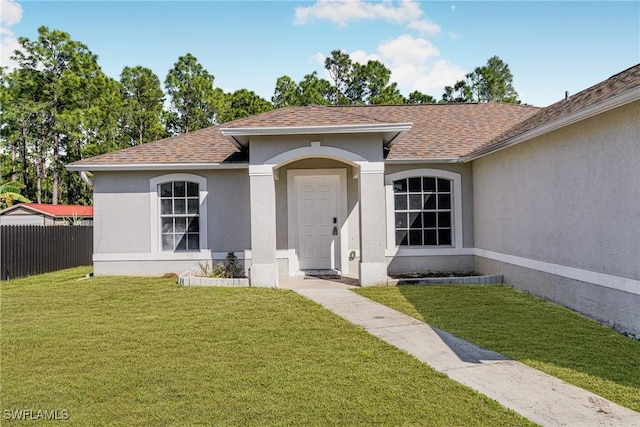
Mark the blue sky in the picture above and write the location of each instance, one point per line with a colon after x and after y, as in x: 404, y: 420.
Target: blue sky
x: 550, y: 46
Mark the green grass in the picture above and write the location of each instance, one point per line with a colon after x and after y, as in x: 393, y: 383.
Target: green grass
x: 525, y: 328
x: 145, y: 351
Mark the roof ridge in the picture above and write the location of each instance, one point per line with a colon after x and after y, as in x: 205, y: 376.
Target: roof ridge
x: 362, y: 116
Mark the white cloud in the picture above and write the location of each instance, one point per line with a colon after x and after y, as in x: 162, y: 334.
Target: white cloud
x: 10, y: 15
x: 415, y: 64
x: 318, y: 57
x: 453, y: 8
x: 362, y: 57
x: 342, y: 12
x: 407, y: 49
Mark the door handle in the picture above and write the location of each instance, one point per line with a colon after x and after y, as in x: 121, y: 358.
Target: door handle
x: 335, y: 231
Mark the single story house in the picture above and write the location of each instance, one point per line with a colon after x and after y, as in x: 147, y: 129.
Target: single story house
x: 46, y: 214
x: 547, y: 197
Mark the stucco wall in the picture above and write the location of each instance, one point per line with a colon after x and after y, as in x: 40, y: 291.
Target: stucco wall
x: 122, y: 224
x: 266, y: 147
x: 121, y: 212
x: 571, y: 197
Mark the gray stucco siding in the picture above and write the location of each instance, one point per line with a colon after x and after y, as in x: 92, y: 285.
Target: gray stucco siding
x: 122, y: 203
x: 121, y: 212
x: 264, y: 148
x: 445, y: 263
x: 229, y: 210
x: 571, y: 197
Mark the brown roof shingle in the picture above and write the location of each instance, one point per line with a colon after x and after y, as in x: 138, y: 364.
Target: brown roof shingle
x: 439, y: 131
x: 446, y: 130
x: 308, y: 116
x: 614, y: 85
x: 201, y: 146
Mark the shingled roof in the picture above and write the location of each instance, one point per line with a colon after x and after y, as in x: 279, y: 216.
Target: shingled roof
x: 439, y: 131
x: 308, y: 116
x: 201, y: 146
x: 615, y: 85
x: 445, y: 131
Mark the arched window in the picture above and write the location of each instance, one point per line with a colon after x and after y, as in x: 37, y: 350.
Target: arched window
x: 423, y: 211
x: 178, y: 212
x: 179, y: 215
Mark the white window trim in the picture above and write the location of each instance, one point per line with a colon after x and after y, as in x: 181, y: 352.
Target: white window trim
x: 154, y: 212
x: 396, y: 250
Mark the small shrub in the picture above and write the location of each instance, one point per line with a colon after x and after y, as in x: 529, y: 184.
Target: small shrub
x: 227, y: 270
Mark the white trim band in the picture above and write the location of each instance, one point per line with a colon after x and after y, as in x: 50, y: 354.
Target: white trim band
x: 606, y: 280
x: 154, y: 167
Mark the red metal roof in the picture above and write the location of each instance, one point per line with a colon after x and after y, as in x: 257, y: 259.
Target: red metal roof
x: 64, y: 211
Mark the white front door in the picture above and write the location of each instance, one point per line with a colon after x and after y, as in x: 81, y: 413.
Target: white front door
x: 318, y: 222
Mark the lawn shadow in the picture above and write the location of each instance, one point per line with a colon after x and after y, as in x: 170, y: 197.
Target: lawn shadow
x: 524, y: 329
x: 466, y: 351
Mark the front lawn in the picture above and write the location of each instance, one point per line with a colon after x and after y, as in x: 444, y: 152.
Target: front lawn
x: 525, y: 328
x: 134, y: 351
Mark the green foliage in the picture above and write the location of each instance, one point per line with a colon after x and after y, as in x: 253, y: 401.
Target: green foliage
x: 492, y: 82
x: 194, y: 102
x: 57, y: 103
x: 417, y: 97
x: 353, y: 84
x: 227, y: 270
x: 311, y: 90
x: 145, y: 351
x: 242, y: 103
x: 356, y: 84
x: 286, y: 93
x: 543, y: 335
x: 10, y: 192
x: 143, y: 99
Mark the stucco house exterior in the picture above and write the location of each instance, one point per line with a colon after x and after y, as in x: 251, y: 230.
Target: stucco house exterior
x: 547, y: 197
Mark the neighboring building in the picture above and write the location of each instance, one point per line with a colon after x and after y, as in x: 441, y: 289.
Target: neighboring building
x: 44, y: 214
x: 549, y: 198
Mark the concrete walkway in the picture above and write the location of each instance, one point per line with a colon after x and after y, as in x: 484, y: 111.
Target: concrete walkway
x: 539, y: 397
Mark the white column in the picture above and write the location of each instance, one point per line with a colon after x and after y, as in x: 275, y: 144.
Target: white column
x: 373, y: 229
x: 264, y: 267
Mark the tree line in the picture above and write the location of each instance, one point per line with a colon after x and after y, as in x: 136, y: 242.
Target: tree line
x: 57, y: 106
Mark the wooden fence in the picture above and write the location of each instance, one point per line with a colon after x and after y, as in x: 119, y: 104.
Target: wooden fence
x: 34, y: 249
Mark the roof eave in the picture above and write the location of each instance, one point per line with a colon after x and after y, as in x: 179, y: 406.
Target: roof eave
x: 241, y: 136
x: 108, y: 167
x: 615, y: 101
x: 423, y: 160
